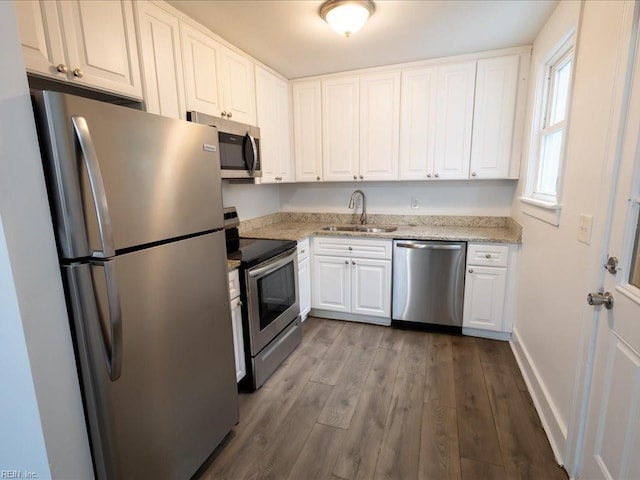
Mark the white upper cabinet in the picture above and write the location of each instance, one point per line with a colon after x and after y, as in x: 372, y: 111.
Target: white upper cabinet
x: 200, y: 62
x: 307, y: 130
x: 272, y: 95
x: 98, y: 37
x: 417, y: 123
x: 161, y: 60
x: 340, y: 129
x: 454, y: 117
x: 494, y: 116
x: 238, y: 86
x: 218, y: 81
x: 379, y: 126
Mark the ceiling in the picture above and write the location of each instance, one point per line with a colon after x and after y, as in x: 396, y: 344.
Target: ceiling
x: 290, y: 37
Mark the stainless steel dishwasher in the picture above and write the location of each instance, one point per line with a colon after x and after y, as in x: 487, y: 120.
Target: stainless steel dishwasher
x: 428, y: 283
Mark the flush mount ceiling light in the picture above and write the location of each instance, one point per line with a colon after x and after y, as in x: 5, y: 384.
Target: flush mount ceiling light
x: 346, y: 16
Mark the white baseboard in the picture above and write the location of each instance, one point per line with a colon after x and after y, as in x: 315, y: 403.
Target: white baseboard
x: 350, y: 317
x: 552, y: 423
x: 490, y: 334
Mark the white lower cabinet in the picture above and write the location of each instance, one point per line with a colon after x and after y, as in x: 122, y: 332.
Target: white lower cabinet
x: 236, y: 323
x: 354, y: 281
x: 487, y: 296
x: 304, y: 278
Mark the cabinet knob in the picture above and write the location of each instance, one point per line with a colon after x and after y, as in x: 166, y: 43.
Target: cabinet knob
x: 350, y: 248
x: 352, y: 262
x: 361, y: 177
x: 302, y: 251
x: 488, y: 255
x: 78, y: 73
x: 239, y: 303
x: 428, y: 175
x: 437, y: 175
x: 474, y: 174
x: 62, y: 68
x: 471, y: 270
x: 223, y: 114
x: 355, y: 177
x: 346, y: 262
x: 229, y: 115
x: 318, y: 177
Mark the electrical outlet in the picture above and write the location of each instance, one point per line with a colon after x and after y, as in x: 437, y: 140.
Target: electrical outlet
x: 414, y: 203
x: 585, y: 225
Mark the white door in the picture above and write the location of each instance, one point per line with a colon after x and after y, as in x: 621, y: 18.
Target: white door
x: 238, y: 342
x: 101, y: 45
x: 484, y: 297
x: 159, y: 37
x: 371, y: 287
x: 304, y: 287
x: 307, y: 130
x: 200, y: 55
x: 331, y: 283
x: 612, y: 445
x: 238, y: 86
x: 454, y: 115
x: 379, y: 126
x: 340, y: 129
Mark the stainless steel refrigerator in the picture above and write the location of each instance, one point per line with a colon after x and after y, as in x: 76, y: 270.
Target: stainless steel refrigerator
x: 137, y: 207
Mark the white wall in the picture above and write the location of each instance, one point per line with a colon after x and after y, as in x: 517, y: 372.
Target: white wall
x: 32, y: 311
x: 554, y: 267
x: 486, y: 197
x: 251, y: 200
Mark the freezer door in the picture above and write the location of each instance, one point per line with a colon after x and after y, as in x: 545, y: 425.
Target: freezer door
x: 121, y: 178
x: 174, y: 397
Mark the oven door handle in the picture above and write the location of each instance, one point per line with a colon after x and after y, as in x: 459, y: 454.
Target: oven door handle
x: 272, y: 266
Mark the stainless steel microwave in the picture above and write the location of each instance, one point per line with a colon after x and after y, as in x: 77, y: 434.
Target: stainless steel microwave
x: 239, y: 145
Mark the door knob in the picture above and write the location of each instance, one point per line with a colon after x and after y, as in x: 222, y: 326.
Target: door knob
x: 600, y: 298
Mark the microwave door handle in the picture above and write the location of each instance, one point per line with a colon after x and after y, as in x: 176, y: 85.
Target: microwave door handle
x: 251, y: 165
x: 97, y: 186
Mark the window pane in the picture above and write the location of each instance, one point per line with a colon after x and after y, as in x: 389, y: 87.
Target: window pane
x: 560, y: 95
x: 549, y: 163
x: 634, y: 276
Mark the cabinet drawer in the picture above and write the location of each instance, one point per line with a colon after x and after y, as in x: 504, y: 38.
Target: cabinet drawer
x: 303, y: 249
x: 353, y: 247
x: 234, y: 284
x: 487, y: 254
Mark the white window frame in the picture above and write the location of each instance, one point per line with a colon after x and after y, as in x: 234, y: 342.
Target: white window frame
x: 547, y: 207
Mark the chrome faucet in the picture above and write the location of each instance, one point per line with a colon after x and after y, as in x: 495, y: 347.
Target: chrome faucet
x: 352, y: 204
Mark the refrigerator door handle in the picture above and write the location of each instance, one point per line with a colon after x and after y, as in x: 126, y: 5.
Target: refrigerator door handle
x: 114, y: 355
x: 97, y: 186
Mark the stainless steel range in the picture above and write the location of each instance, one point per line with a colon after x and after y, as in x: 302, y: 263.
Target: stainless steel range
x: 270, y: 308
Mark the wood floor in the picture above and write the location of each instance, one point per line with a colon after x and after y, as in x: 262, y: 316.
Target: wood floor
x: 358, y: 401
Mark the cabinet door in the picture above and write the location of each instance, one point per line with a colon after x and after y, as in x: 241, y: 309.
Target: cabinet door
x: 272, y: 102
x: 304, y: 287
x: 331, y: 288
x: 159, y: 38
x: 340, y: 129
x: 238, y: 86
x: 101, y: 45
x: 371, y: 287
x: 41, y: 37
x: 200, y: 63
x: 494, y: 116
x: 238, y: 342
x: 417, y: 123
x: 307, y: 130
x: 379, y: 126
x: 454, y: 114
x: 484, y: 297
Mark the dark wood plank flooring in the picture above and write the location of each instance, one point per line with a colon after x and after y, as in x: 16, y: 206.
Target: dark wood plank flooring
x: 359, y: 401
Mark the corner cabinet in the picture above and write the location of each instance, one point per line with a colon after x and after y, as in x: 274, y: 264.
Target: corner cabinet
x: 489, y: 285
x: 236, y: 323
x: 307, y: 130
x: 351, y: 279
x: 304, y: 278
x: 161, y: 60
x: 273, y: 109
x: 66, y: 40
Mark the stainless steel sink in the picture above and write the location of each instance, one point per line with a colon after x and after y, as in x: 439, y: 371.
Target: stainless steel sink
x: 359, y: 228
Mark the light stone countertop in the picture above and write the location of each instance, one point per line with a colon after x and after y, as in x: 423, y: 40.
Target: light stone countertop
x: 232, y: 264
x: 510, y: 232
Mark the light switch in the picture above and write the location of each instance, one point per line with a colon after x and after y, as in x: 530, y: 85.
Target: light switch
x: 585, y: 225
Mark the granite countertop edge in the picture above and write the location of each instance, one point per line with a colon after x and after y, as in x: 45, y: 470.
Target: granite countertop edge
x: 300, y: 230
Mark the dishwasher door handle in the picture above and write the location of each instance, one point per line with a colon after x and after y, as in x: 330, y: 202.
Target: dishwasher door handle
x: 422, y: 246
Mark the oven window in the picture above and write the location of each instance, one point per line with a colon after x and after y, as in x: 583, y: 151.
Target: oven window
x: 276, y: 293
